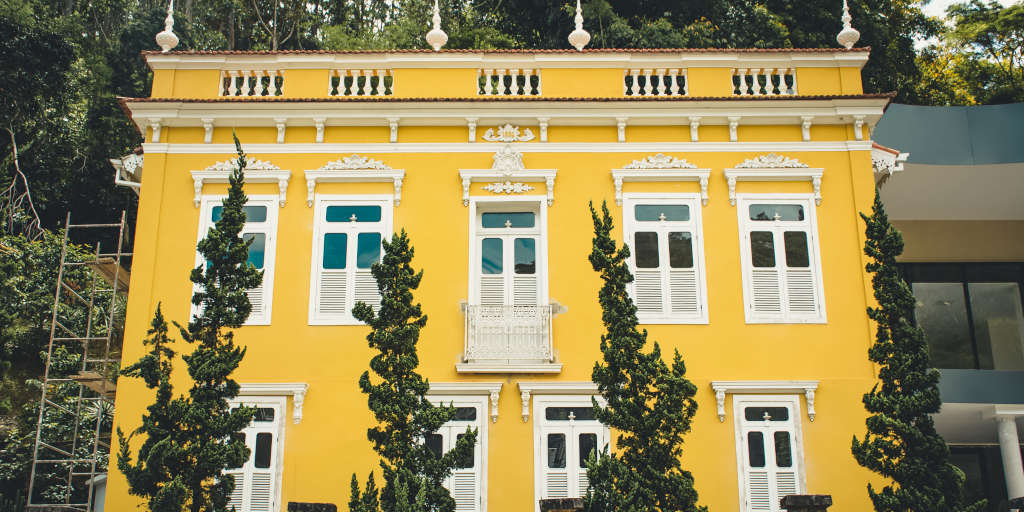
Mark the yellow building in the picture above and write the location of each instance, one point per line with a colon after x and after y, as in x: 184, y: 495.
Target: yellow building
x: 736, y: 176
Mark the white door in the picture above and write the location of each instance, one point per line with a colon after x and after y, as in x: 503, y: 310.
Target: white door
x: 255, y: 481
x: 770, y: 455
x: 465, y: 482
x: 508, y: 269
x: 566, y: 443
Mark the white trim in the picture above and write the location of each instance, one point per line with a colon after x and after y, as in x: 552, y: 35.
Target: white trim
x: 275, y: 401
x: 570, y: 394
x: 296, y: 390
x: 386, y: 226
x: 447, y: 394
x: 354, y: 169
x: 481, y: 204
x: 490, y: 389
x: 740, y: 401
x: 531, y: 147
x: 200, y: 178
x: 527, y: 388
x: 461, y: 367
x: 696, y: 224
x: 794, y: 387
x: 620, y: 176
x: 469, y: 176
x: 774, y: 174
x: 271, y: 202
x: 745, y: 227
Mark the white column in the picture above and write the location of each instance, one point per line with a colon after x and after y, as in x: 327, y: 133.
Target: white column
x: 1009, y: 446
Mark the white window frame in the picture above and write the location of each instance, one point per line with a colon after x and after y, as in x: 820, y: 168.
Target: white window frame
x: 793, y: 402
x: 810, y: 224
x: 695, y: 225
x: 479, y: 402
x: 321, y: 227
x: 207, y: 203
x: 541, y: 426
x: 280, y: 404
x: 478, y: 206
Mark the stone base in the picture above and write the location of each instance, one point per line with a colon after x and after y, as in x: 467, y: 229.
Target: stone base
x: 806, y: 502
x: 311, y: 507
x: 561, y: 505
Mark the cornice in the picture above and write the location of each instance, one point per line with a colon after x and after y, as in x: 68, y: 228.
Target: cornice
x: 723, y: 387
x: 296, y: 390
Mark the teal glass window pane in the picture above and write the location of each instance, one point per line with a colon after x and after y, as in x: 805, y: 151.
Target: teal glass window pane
x: 252, y: 213
x: 367, y: 249
x: 797, y: 254
x: 655, y: 212
x: 646, y: 249
x: 783, y: 212
x: 762, y: 248
x: 680, y: 250
x: 508, y: 219
x: 526, y: 255
x: 257, y: 249
x: 335, y: 250
x: 363, y: 213
x: 755, y: 449
x: 783, y: 450
x: 261, y: 457
x: 491, y: 256
x: 766, y: 413
x: 556, y: 451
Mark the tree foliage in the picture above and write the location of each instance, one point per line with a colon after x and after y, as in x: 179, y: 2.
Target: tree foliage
x: 191, y: 439
x: 901, y: 442
x: 413, y: 474
x: 649, y: 403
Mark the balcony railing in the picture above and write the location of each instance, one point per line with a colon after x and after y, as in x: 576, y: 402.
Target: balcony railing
x: 508, y: 335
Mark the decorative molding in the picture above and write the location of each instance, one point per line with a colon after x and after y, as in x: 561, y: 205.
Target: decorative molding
x: 858, y: 127
x: 296, y: 390
x: 771, y: 161
x: 661, y: 168
x: 734, y: 123
x: 319, y: 123
x: 527, y: 389
x: 774, y: 174
x: 282, y: 124
x: 507, y: 160
x: 508, y: 165
x: 620, y: 124
x: 207, y: 130
x: 508, y: 188
x: 154, y: 124
x: 490, y: 389
x: 543, y: 121
x: 887, y: 160
x: 257, y: 171
x: 393, y: 129
x: 508, y: 133
x: 805, y: 127
x: 471, y: 123
x: 723, y: 387
x: 354, y: 169
x: 694, y: 128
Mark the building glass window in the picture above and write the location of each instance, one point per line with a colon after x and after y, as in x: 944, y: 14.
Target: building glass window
x: 970, y: 313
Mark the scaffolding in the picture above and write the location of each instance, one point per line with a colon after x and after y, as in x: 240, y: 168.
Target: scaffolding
x: 73, y: 434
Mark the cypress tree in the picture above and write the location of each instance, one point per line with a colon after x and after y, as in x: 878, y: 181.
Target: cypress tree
x: 649, y: 403
x: 901, y: 442
x: 192, y: 439
x: 413, y: 474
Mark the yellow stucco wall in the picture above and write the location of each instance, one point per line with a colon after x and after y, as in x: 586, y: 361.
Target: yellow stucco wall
x: 330, y: 444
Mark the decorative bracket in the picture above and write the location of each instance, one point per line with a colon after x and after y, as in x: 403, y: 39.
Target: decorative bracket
x: 154, y: 123
x: 319, y: 123
x: 207, y: 130
x: 393, y: 129
x: 296, y: 390
x: 858, y: 127
x: 524, y: 396
x: 354, y: 169
x: 543, y: 128
x: 772, y: 167
x: 661, y: 168
x: 734, y: 123
x: 792, y: 387
x: 282, y: 124
x: 694, y: 126
x: 805, y: 126
x: 471, y: 122
x: 257, y: 171
x: 620, y: 124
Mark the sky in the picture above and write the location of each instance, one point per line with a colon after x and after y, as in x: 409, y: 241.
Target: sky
x: 938, y: 7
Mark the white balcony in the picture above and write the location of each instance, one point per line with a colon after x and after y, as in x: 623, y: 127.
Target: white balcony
x: 509, y: 339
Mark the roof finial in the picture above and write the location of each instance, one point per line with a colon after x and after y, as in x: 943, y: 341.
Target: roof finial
x: 579, y: 37
x: 849, y: 35
x: 436, y: 37
x: 166, y: 39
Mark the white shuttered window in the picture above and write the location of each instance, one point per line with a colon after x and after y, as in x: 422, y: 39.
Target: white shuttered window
x: 261, y: 229
x: 346, y: 243
x: 666, y: 244
x: 257, y: 481
x: 568, y: 434
x: 781, y: 259
x: 508, y: 249
x: 769, y: 451
x: 466, y: 482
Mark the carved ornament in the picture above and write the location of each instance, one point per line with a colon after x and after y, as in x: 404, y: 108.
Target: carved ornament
x: 508, y: 133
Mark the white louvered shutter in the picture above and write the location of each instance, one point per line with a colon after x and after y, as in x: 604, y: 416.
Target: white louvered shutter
x: 766, y: 294
x: 235, y: 499
x: 465, y: 488
x: 776, y: 475
x: 333, y: 292
x: 759, y: 491
x: 255, y: 487
x: 256, y: 299
x: 261, y: 492
x: 648, y: 291
x: 492, y: 290
x: 366, y: 289
x: 801, y: 291
x: 524, y: 290
x: 684, y: 291
x: 556, y: 479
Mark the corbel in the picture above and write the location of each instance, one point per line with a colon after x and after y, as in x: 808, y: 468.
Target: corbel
x: 720, y: 403
x: 732, y: 190
x: 319, y: 123
x: 310, y: 189
x: 207, y: 130
x: 494, y: 405
x: 298, y: 399
x: 543, y: 128
x: 618, y: 190
x: 809, y: 396
x: 154, y: 123
x: 197, y: 187
x: 694, y: 125
x: 282, y: 189
x: 704, y: 197
x: 550, y: 180
x: 465, y: 190
x: 281, y: 123
x: 816, y: 183
x: 858, y: 127
x: 471, y: 121
x: 525, y: 397
x: 393, y: 125
x: 734, y: 123
x: 398, y: 190
x: 621, y: 124
x: 805, y: 126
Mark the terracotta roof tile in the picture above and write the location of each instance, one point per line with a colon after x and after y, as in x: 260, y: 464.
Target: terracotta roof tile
x: 515, y: 51
x: 506, y: 99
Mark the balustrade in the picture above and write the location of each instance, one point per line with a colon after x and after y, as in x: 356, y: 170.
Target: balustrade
x: 655, y: 82
x: 361, y: 82
x: 505, y: 334
x: 508, y: 82
x: 251, y: 82
x: 764, y: 81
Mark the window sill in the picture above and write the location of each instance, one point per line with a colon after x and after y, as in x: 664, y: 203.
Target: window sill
x: 507, y: 367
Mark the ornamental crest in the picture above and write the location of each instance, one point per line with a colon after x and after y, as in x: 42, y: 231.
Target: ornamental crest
x: 508, y: 188
x: 254, y: 165
x: 508, y: 160
x: 661, y: 161
x: 132, y: 162
x: 771, y: 161
x: 508, y: 133
x: 355, y: 162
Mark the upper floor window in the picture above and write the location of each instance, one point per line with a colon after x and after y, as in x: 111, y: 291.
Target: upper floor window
x: 780, y: 258
x: 508, y: 266
x: 664, y: 233
x: 970, y: 313
x: 347, y: 238
x: 768, y: 450
x: 261, y: 229
x: 257, y: 481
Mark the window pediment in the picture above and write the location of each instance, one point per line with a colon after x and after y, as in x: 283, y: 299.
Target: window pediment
x: 662, y: 168
x: 773, y: 167
x: 508, y: 175
x: 354, y: 169
x: 256, y: 171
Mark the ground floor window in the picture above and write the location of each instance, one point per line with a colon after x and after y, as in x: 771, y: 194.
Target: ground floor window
x: 768, y: 449
x: 983, y: 467
x: 466, y: 483
x: 257, y: 482
x: 567, y: 435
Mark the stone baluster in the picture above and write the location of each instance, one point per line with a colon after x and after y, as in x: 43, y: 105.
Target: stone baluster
x: 742, y: 73
x: 502, y: 88
x: 783, y: 87
x: 634, y: 89
x: 662, y: 88
x: 367, y: 88
x: 233, y: 83
x: 625, y: 82
x: 792, y: 74
x: 756, y: 88
x: 648, y: 85
x: 354, y: 89
x: 488, y: 88
x: 674, y: 80
x: 527, y: 82
x: 258, y: 74
x: 330, y: 82
x: 246, y: 85
x: 380, y: 82
x: 514, y: 82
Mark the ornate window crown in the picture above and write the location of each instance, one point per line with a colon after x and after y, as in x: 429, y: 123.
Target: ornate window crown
x: 772, y: 161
